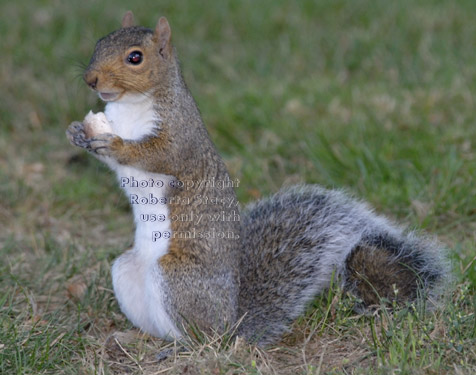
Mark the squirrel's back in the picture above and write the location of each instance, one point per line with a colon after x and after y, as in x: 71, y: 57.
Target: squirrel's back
x: 300, y: 238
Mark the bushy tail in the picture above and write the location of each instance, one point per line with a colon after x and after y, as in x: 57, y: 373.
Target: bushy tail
x: 384, y: 268
x: 299, y: 238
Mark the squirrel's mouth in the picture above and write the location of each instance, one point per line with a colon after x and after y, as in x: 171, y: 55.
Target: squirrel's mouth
x: 108, y: 96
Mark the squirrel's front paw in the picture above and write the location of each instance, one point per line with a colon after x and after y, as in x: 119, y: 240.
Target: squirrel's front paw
x: 76, y: 135
x: 106, y: 144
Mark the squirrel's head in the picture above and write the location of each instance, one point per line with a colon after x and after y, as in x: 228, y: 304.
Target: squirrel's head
x: 131, y: 60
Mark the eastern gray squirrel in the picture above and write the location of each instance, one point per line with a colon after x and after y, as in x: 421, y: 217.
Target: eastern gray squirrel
x: 197, y: 259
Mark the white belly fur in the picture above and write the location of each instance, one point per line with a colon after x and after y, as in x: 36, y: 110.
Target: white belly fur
x: 136, y: 274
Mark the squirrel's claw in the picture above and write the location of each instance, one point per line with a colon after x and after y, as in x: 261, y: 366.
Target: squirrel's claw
x: 76, y: 135
x: 105, y: 144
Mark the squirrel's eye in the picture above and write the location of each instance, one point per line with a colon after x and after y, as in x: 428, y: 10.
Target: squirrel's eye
x: 135, y: 57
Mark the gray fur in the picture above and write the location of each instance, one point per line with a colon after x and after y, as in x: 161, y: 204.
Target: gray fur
x: 296, y: 240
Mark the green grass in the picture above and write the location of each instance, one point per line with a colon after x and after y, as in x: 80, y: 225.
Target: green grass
x: 375, y: 97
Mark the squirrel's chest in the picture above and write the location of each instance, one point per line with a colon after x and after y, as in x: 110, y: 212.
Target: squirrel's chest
x: 145, y: 191
x: 132, y: 119
x: 137, y: 280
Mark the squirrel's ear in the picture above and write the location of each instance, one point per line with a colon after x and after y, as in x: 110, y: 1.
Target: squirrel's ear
x: 128, y: 19
x: 163, y: 35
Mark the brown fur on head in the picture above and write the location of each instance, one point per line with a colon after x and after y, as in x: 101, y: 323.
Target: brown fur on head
x: 130, y: 60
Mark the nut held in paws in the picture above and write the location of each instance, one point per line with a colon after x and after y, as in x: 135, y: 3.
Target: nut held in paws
x: 96, y: 123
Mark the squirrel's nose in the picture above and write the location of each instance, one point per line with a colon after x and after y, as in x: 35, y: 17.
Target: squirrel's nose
x: 91, y: 79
